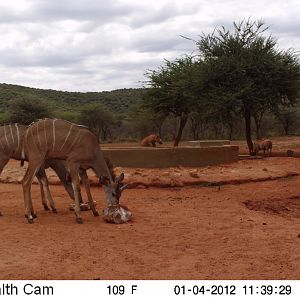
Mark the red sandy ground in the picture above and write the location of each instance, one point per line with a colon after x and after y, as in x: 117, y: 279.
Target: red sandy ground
x: 235, y: 231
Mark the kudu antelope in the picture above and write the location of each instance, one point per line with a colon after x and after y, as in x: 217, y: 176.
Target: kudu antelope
x: 11, y: 140
x: 79, y: 147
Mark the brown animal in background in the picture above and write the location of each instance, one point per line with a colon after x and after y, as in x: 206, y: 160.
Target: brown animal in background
x: 151, y: 140
x: 265, y: 145
x: 79, y: 147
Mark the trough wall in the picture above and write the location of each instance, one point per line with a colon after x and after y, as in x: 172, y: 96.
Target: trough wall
x: 208, y: 143
x: 171, y: 157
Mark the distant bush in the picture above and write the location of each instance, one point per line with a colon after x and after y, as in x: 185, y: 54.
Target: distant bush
x: 71, y: 116
x: 26, y: 111
x: 99, y: 120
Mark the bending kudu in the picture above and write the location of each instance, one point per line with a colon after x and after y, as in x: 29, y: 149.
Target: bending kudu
x: 11, y: 140
x: 78, y: 146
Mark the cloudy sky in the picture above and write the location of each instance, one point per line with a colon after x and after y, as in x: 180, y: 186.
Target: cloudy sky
x: 95, y: 45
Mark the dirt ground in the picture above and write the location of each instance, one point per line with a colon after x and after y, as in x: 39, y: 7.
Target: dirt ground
x: 245, y: 226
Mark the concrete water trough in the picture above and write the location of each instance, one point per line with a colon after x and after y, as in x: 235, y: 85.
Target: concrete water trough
x: 164, y: 157
x: 208, y: 143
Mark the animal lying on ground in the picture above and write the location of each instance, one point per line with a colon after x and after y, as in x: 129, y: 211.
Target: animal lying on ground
x: 151, y: 140
x: 11, y: 139
x: 79, y: 147
x: 117, y: 214
x: 265, y: 145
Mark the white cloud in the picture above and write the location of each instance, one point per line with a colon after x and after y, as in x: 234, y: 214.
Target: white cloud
x: 92, y: 45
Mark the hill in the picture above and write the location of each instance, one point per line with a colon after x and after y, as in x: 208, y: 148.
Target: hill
x: 117, y: 101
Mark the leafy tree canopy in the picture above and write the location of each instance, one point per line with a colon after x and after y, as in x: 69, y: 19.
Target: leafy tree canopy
x: 174, y: 89
x: 26, y: 111
x: 247, y: 72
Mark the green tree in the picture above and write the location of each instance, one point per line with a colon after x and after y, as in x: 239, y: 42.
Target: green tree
x: 197, y: 124
x: 26, y: 111
x: 71, y: 116
x: 247, y: 69
x: 173, y: 89
x: 99, y: 120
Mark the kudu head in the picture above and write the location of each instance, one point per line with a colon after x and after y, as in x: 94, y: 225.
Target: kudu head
x: 113, y: 190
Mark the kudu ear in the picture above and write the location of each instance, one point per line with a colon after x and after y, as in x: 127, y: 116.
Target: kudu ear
x: 120, y: 178
x: 103, y: 180
x: 123, y: 186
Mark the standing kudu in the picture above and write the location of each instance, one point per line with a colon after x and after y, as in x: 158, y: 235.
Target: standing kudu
x: 78, y: 146
x: 11, y: 140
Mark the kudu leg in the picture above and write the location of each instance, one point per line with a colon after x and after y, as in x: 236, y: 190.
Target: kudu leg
x: 41, y: 175
x: 74, y: 169
x: 3, y: 161
x: 33, y: 213
x: 86, y: 182
x: 42, y: 194
x: 31, y: 171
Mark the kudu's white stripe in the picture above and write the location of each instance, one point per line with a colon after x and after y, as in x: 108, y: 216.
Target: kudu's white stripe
x: 79, y: 138
x: 45, y: 133
x: 1, y: 140
x: 18, y: 135
x: 24, y: 140
x: 12, y: 135
x: 75, y: 140
x: 53, y: 146
x: 66, y: 137
x: 32, y: 138
x: 2, y: 146
x: 37, y: 133
x: 23, y: 153
x: 6, y: 137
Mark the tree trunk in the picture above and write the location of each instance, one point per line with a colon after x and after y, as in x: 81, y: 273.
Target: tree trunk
x: 158, y: 127
x: 230, y: 131
x: 195, y: 126
x: 160, y: 130
x: 97, y: 132
x: 194, y: 131
x: 183, y: 120
x: 257, y: 122
x: 104, y: 132
x: 222, y: 130
x: 247, y: 117
x: 216, y: 129
x: 286, y: 127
